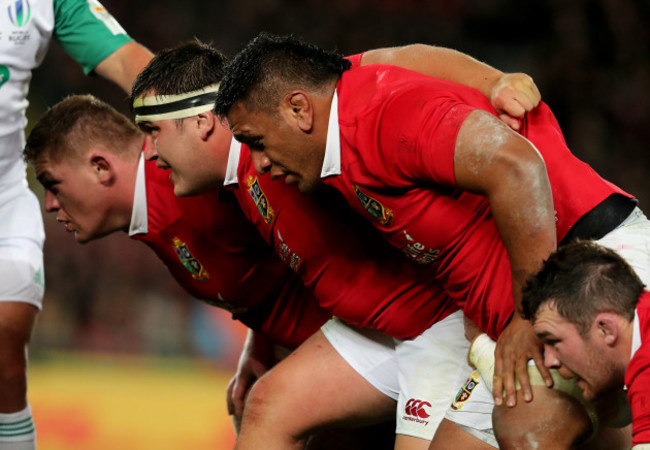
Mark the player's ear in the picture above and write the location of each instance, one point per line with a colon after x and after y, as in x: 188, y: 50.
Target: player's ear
x: 102, y: 167
x: 298, y: 105
x: 205, y: 123
x: 608, y: 327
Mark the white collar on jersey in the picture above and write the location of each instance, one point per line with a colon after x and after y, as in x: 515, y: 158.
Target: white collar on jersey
x: 233, y: 163
x: 139, y: 216
x: 636, y: 334
x: 332, y: 158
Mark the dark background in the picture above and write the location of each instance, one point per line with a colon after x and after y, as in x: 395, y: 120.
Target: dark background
x: 589, y: 58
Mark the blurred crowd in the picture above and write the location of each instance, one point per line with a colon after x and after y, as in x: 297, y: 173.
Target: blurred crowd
x: 590, y: 59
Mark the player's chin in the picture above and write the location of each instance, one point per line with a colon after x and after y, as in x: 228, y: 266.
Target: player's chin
x: 305, y: 186
x: 182, y: 190
x: 587, y: 393
x: 82, y: 237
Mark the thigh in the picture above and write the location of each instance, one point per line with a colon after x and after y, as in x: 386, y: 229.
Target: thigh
x: 371, y: 354
x: 471, y: 414
x: 451, y: 436
x: 431, y: 367
x: 316, y: 388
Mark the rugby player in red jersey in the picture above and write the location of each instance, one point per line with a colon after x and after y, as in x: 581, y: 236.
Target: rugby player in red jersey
x: 89, y: 158
x: 429, y: 166
x: 306, y: 235
x: 592, y: 313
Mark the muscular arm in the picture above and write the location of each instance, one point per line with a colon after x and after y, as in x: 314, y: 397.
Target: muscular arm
x: 492, y: 160
x: 511, y: 94
x: 124, y: 64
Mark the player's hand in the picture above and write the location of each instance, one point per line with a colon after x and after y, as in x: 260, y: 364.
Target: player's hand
x: 512, y: 95
x: 516, y: 345
x: 248, y: 371
x: 255, y: 360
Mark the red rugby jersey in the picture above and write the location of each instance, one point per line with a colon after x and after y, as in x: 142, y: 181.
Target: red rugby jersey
x: 637, y: 377
x: 351, y: 270
x: 397, y: 137
x: 217, y: 256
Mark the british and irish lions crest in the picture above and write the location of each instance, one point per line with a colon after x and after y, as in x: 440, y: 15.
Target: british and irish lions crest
x: 190, y: 262
x: 256, y: 193
x: 383, y: 215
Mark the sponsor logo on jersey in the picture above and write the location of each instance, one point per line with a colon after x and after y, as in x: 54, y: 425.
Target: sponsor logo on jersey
x: 466, y: 391
x: 415, y: 410
x: 4, y: 74
x: 417, y: 251
x: 286, y: 254
x: 190, y: 262
x: 20, y: 11
x: 383, y: 215
x: 259, y: 198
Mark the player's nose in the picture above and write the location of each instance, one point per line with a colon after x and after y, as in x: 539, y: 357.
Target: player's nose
x: 261, y: 162
x: 150, y: 150
x: 51, y: 202
x: 550, y: 357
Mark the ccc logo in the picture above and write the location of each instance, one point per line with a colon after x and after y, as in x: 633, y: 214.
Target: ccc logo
x: 415, y: 408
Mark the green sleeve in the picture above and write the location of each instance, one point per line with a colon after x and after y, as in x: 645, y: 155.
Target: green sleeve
x: 87, y: 32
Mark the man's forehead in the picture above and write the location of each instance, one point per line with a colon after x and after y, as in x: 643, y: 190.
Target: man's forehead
x: 44, y: 166
x: 549, y: 322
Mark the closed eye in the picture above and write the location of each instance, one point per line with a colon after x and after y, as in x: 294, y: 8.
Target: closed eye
x: 48, y: 184
x: 253, y: 142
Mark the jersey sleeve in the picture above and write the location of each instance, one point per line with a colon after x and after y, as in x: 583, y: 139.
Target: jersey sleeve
x: 422, y: 125
x: 638, y: 382
x: 355, y: 59
x: 87, y: 31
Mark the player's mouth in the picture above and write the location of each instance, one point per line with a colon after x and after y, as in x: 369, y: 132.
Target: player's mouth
x: 68, y: 226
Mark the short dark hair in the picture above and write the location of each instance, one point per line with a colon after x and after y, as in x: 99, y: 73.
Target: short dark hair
x: 261, y: 72
x: 581, y: 280
x: 76, y: 122
x: 184, y: 68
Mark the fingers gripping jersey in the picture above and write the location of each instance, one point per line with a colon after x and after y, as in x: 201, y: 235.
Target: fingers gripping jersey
x: 353, y: 273
x: 218, y: 256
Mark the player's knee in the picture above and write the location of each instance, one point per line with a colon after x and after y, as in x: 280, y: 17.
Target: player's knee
x: 552, y: 420
x: 261, y: 405
x: 272, y: 406
x: 266, y: 422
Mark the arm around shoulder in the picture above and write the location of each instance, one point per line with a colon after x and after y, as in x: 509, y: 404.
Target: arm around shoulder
x: 511, y: 94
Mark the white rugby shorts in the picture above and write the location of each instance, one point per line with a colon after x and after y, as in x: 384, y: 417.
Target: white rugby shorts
x: 21, y: 246
x: 472, y: 408
x: 422, y: 374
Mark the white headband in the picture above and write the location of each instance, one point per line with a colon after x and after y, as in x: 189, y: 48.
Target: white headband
x: 180, y: 106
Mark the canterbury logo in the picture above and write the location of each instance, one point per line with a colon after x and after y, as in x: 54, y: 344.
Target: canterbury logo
x: 416, y: 407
